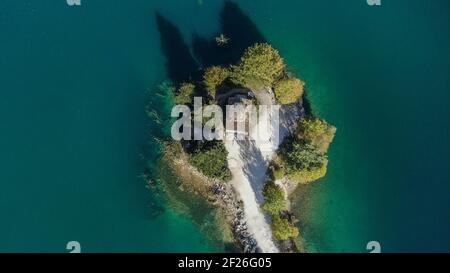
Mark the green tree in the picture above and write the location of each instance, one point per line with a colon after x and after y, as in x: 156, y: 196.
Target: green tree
x: 289, y: 91
x: 303, y: 161
x: 317, y: 132
x: 211, y: 160
x: 282, y: 229
x: 185, y: 93
x: 274, y: 198
x: 307, y: 176
x: 299, y: 155
x: 214, y: 78
x: 261, y: 65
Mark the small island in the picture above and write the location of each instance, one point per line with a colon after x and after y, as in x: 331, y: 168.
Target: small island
x: 249, y: 181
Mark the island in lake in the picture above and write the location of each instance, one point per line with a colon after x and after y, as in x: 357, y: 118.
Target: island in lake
x: 248, y: 181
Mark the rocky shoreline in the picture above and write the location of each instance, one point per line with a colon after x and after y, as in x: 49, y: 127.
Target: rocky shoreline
x: 229, y: 202
x: 219, y: 194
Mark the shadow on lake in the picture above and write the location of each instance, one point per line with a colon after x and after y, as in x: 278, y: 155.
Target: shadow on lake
x: 236, y: 25
x: 180, y: 62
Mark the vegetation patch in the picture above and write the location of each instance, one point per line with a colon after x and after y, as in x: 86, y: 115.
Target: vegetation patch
x: 214, y: 79
x: 317, y: 132
x: 210, y: 158
x: 185, y: 93
x: 274, y: 198
x: 260, y: 66
x: 289, y: 90
x: 283, y: 229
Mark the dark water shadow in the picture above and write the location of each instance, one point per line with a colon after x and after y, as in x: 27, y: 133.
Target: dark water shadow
x: 307, y: 105
x: 237, y: 26
x: 240, y: 28
x: 180, y: 64
x: 208, y: 53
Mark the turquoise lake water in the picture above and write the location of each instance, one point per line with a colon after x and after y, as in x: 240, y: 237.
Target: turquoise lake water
x: 74, y: 134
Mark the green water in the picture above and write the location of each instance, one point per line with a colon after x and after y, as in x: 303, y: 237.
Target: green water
x: 75, y: 82
x: 74, y: 85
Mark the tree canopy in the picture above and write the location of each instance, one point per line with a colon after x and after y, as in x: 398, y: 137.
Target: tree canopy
x: 303, y: 161
x: 306, y: 176
x: 289, y: 90
x: 317, y: 132
x: 211, y: 160
x: 301, y: 156
x: 214, y: 77
x: 261, y: 65
x: 282, y: 229
x: 274, y: 198
x: 185, y: 93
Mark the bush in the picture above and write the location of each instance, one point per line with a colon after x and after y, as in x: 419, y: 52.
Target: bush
x: 214, y: 78
x: 289, y: 91
x: 185, y: 93
x: 282, y: 229
x: 276, y: 171
x: 274, y: 198
x: 299, y: 156
x: 307, y: 176
x: 317, y: 132
x: 211, y: 160
x: 303, y: 162
x: 261, y: 65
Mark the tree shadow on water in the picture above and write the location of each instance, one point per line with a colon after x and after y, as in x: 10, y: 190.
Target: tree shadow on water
x: 208, y: 52
x: 180, y: 64
x: 237, y: 26
x: 240, y: 28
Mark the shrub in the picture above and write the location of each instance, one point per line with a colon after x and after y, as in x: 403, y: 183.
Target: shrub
x: 289, y: 91
x: 317, y: 132
x: 214, y: 78
x: 307, y: 176
x: 276, y: 168
x: 185, y: 93
x: 282, y: 229
x: 261, y: 65
x: 276, y: 171
x: 303, y: 161
x: 211, y: 160
x: 274, y: 198
x: 300, y: 156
